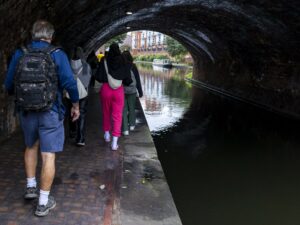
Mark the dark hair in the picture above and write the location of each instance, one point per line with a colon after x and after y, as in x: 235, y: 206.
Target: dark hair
x: 127, y: 56
x: 92, y: 59
x: 117, y: 65
x: 115, y: 60
x: 114, y: 50
x: 77, y: 53
x: 92, y: 56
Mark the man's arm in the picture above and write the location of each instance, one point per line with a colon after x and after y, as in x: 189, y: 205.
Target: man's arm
x: 67, y: 81
x: 75, y: 113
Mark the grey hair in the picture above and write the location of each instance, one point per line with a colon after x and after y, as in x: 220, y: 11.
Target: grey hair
x: 42, y: 29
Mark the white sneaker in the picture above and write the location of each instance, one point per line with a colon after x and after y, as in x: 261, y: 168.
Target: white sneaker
x: 106, y: 137
x: 114, y: 143
x: 131, y: 128
x: 114, y: 147
x: 125, y: 133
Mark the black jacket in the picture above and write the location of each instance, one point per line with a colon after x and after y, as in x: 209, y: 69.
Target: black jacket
x: 123, y: 73
x: 138, y: 80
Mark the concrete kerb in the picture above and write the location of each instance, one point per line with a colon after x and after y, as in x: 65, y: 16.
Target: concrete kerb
x: 145, y: 197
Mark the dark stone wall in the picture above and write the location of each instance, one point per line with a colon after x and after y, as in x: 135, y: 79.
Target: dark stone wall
x: 247, y: 47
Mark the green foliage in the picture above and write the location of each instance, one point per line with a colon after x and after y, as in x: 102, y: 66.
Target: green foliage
x: 118, y: 39
x: 161, y: 57
x: 175, y: 49
x: 189, y: 75
x: 125, y: 48
x: 190, y: 63
x: 134, y: 57
x: 149, y: 58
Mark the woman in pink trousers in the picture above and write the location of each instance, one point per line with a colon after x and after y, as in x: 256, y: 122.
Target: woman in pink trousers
x: 112, y: 97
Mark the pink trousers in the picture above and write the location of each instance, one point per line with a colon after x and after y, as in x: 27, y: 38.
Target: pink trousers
x: 112, y: 101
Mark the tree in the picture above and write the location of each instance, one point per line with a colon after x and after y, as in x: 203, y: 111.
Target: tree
x: 125, y: 48
x: 175, y: 49
x: 118, y: 39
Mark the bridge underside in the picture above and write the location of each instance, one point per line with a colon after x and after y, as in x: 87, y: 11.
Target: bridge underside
x: 248, y: 48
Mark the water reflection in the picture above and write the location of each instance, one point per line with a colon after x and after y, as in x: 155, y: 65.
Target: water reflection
x: 166, y: 95
x: 160, y: 69
x: 225, y: 162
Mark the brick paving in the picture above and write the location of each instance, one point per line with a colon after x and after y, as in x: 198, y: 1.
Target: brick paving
x: 79, y: 174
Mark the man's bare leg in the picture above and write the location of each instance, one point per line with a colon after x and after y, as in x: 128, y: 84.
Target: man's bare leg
x: 48, y: 170
x: 31, y: 159
x: 46, y: 202
x: 47, y: 176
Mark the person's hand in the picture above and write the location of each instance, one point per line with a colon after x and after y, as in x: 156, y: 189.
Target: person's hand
x: 75, y: 113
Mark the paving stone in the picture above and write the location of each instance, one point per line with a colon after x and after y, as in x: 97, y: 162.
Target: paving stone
x: 79, y: 173
x: 78, y: 197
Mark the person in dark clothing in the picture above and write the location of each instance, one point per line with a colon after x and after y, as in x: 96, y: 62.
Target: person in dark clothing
x: 130, y: 96
x: 92, y: 60
x: 112, y: 99
x: 82, y: 73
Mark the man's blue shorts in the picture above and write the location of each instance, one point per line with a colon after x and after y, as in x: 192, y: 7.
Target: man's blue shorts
x: 45, y: 127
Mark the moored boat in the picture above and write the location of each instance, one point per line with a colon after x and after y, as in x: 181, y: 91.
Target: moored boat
x: 162, y: 62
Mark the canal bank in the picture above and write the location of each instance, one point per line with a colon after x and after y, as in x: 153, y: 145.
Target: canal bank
x: 93, y: 185
x: 145, y: 196
x: 174, y: 64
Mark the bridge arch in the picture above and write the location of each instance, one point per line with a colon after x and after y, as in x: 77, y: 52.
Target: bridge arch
x: 247, y: 48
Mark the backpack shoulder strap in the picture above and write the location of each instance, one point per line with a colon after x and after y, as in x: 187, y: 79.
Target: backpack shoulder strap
x: 24, y: 49
x: 52, y: 49
x: 49, y: 50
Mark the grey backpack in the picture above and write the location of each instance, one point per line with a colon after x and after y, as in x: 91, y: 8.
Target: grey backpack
x: 36, y: 80
x: 131, y: 89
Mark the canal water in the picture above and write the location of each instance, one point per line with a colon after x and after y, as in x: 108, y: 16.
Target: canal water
x: 227, y: 163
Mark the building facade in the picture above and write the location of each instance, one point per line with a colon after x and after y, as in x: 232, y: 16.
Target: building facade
x: 126, y: 45
x: 148, y: 42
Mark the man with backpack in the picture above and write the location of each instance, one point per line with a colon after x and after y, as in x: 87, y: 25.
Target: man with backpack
x: 38, y: 74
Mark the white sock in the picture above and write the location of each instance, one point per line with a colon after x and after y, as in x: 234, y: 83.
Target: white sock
x: 44, y: 195
x: 106, y: 134
x: 114, y: 141
x: 31, y: 182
